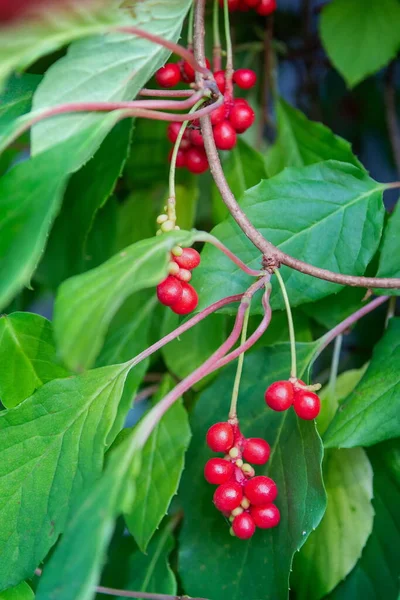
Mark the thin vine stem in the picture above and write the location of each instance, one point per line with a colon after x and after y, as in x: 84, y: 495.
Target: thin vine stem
x: 292, y: 337
x: 239, y: 370
x: 229, y: 54
x: 217, y: 48
x: 335, y: 364
x: 190, y: 26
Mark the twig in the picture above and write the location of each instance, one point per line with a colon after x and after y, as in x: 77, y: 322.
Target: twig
x: 146, y: 393
x: 166, y: 93
x: 273, y: 256
x: 391, y: 116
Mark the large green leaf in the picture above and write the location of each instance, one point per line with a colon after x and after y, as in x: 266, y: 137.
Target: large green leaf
x: 51, y: 447
x: 302, y: 142
x: 258, y: 568
x: 74, y: 569
x: 30, y: 197
x: 86, y: 303
x: 329, y: 214
x: 371, y: 414
x: 162, y: 464
x: 150, y: 572
x: 388, y: 260
x: 24, y: 43
x: 332, y: 551
x: 96, y: 180
x: 359, y: 42
x: 16, y: 98
x: 20, y: 592
x: 28, y: 356
x: 101, y: 68
x: 376, y: 575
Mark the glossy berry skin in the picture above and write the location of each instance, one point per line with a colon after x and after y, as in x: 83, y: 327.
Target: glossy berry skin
x: 169, y: 291
x: 219, y: 77
x: 306, y: 405
x: 241, y: 117
x: 224, y: 135
x: 168, y: 76
x: 189, y: 72
x: 187, y: 302
x: 252, y: 3
x: 245, y: 78
x: 279, y: 396
x: 218, y: 115
x: 196, y: 138
x: 180, y: 157
x: 172, y: 134
x: 260, y: 490
x: 243, y: 526
x: 256, y: 451
x: 196, y: 160
x: 184, y: 275
x: 189, y: 259
x: 266, y: 516
x: 218, y: 470
x: 232, y: 4
x: 220, y: 437
x: 266, y: 7
x: 228, y: 496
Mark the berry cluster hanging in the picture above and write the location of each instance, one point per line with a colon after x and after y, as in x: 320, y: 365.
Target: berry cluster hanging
x: 242, y: 497
x: 175, y: 290
x: 281, y: 395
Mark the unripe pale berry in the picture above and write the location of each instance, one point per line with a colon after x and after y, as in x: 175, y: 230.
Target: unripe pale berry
x: 169, y: 291
x: 220, y: 437
x: 243, y: 526
x: 224, y: 135
x: 245, y: 78
x: 228, y: 496
x: 279, y: 396
x: 306, y: 404
x: 260, y: 490
x: 218, y: 470
x: 188, y: 302
x: 188, y: 259
x: 168, y: 76
x: 183, y: 274
x: 265, y: 516
x: 256, y: 451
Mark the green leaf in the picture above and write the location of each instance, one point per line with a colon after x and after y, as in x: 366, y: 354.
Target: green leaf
x: 301, y: 142
x: 162, y: 464
x: 16, y: 98
x: 329, y: 214
x: 28, y: 356
x: 151, y: 572
x: 110, y: 68
x: 332, y: 551
x: 30, y: 197
x: 371, y: 414
x: 22, y: 44
x: 86, y: 304
x: 98, y: 179
x: 51, y: 447
x: 345, y: 26
x: 258, y: 568
x: 330, y: 311
x: 388, y: 261
x: 74, y: 569
x: 20, y: 592
x: 243, y: 168
x: 376, y: 575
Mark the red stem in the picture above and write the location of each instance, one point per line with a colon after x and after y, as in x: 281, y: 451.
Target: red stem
x: 215, y: 242
x: 166, y: 93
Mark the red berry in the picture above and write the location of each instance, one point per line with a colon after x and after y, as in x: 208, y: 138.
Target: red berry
x: 256, y: 451
x: 243, y: 526
x: 218, y: 115
x: 188, y: 301
x: 168, y: 76
x: 220, y: 437
x: 245, y: 78
x: 228, y: 496
x: 218, y: 470
x: 189, y: 259
x: 306, y: 405
x: 196, y: 160
x: 260, y: 490
x: 232, y: 4
x: 172, y: 134
x: 183, y: 275
x: 219, y: 77
x: 224, y: 135
x: 266, y: 7
x: 241, y: 117
x: 265, y: 516
x: 196, y: 138
x: 189, y: 72
x: 279, y: 395
x: 252, y: 3
x: 243, y: 7
x: 169, y: 291
x: 180, y: 157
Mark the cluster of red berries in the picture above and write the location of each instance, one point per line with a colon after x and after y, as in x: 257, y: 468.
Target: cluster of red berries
x: 175, y: 291
x: 281, y: 395
x: 245, y: 499
x: 262, y: 7
x: 233, y: 117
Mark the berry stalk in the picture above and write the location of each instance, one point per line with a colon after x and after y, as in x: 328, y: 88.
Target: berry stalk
x: 236, y: 384
x: 216, y: 39
x: 229, y: 55
x: 293, y: 369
